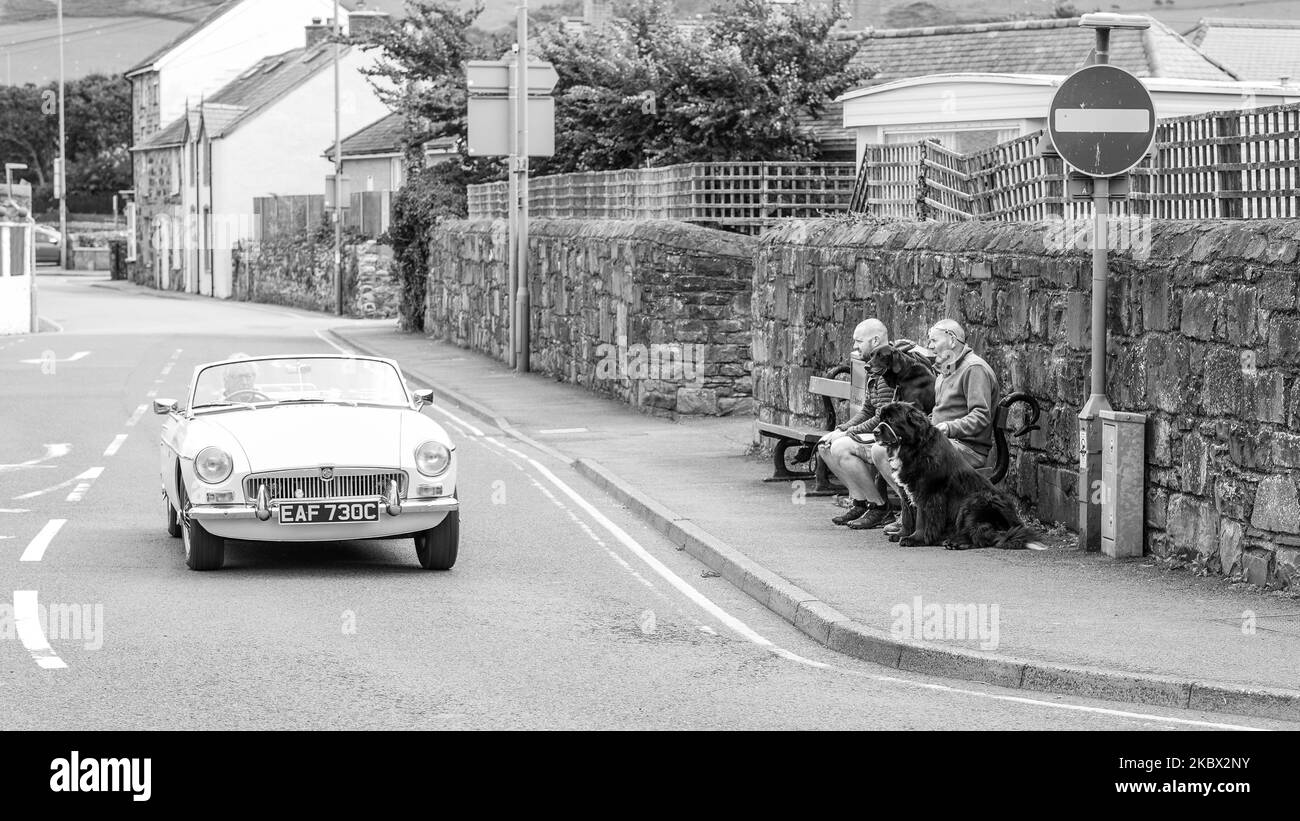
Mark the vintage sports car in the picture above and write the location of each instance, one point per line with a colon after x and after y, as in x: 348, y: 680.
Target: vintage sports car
x: 314, y: 448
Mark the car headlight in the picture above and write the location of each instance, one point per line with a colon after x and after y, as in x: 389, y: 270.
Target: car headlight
x: 432, y: 458
x: 213, y: 465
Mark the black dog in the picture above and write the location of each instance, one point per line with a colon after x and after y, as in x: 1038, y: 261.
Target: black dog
x: 911, y: 379
x: 913, y: 382
x: 955, y: 505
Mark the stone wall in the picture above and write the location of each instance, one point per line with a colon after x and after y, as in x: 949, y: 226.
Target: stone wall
x: 1204, y: 336
x: 654, y: 314
x: 299, y: 272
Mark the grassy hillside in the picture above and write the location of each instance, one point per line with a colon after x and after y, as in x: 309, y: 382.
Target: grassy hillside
x: 111, y: 35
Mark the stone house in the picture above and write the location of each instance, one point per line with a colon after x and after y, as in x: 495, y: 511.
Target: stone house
x: 259, y: 134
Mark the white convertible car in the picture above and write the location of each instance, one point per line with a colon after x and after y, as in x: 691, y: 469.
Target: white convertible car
x: 312, y: 448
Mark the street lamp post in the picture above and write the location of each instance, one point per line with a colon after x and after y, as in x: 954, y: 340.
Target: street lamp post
x: 338, y: 176
x: 61, y: 172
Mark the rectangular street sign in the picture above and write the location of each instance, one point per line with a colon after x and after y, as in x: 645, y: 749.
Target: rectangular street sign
x: 492, y: 126
x: 1111, y: 120
x: 494, y: 77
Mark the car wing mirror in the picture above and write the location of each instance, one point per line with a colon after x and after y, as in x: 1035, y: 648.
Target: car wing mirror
x: 423, y: 397
x: 162, y: 407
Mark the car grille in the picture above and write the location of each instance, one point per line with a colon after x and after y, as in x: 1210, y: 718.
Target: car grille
x: 348, y: 483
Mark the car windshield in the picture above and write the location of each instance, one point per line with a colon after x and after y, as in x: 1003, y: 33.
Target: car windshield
x: 305, y: 380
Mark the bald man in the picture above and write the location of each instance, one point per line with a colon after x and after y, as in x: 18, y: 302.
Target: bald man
x: 851, y: 460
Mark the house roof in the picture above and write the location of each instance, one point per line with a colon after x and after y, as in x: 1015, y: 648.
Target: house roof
x: 1030, y: 47
x: 384, y: 136
x: 253, y: 90
x: 1254, y: 49
x: 1050, y: 47
x: 216, y: 12
x: 183, y: 36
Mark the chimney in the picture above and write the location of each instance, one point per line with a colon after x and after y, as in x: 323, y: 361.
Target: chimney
x: 364, y: 25
x: 318, y: 32
x: 597, y: 13
x: 863, y: 14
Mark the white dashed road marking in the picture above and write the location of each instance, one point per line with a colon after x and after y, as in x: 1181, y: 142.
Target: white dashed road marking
x: 84, y: 485
x: 563, y: 430
x: 28, y: 624
x: 117, y: 443
x: 36, y: 547
x: 135, y: 417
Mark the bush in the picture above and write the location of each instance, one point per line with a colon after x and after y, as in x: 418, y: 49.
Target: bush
x: 429, y: 196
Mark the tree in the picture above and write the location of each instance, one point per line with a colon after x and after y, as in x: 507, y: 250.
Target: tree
x: 736, y: 88
x: 97, y: 114
x: 421, y: 72
x: 28, y: 134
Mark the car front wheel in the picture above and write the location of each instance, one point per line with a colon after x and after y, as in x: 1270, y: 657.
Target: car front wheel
x: 173, y: 521
x: 203, y: 551
x: 436, y: 547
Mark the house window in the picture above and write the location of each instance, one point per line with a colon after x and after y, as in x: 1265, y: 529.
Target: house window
x: 174, y: 171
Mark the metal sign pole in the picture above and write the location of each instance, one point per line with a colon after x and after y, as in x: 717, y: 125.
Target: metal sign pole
x: 522, y: 310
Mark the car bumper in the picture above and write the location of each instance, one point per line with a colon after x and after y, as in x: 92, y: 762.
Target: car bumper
x: 241, y: 522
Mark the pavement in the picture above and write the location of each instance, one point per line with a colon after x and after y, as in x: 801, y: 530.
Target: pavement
x: 1058, y: 621
x: 1067, y: 621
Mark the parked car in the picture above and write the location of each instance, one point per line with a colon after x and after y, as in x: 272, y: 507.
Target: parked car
x: 48, y: 241
x: 315, y: 448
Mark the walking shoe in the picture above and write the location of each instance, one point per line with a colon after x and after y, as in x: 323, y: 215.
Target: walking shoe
x: 893, y: 528
x: 857, y: 509
x: 875, y: 516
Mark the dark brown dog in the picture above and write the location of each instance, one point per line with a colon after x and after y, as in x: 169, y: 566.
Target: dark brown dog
x: 955, y: 505
x: 911, y: 380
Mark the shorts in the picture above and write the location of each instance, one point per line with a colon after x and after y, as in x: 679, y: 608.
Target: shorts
x: 973, y: 457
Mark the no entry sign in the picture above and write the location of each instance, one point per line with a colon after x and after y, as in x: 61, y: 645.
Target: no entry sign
x: 1102, y: 120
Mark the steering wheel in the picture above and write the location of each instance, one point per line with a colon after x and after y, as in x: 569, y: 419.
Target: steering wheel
x: 255, y: 396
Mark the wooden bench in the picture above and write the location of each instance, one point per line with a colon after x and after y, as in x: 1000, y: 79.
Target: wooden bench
x: 806, y: 463
x: 999, y: 459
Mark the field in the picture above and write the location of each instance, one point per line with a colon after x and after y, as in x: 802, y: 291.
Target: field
x: 112, y: 35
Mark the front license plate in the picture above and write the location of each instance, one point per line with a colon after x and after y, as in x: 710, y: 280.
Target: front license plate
x: 311, y: 513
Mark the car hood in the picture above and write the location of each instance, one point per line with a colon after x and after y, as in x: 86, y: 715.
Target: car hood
x: 307, y: 435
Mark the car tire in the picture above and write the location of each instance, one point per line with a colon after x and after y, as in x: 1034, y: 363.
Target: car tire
x: 203, y: 551
x: 436, y: 547
x: 173, y: 521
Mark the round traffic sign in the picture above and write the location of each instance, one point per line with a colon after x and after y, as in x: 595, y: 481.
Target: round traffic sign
x: 1102, y: 120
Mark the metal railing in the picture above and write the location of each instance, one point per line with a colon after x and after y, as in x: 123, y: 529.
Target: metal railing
x: 744, y: 197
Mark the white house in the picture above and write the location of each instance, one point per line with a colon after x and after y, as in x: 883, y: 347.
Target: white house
x: 258, y: 135
x: 968, y: 112
x: 214, y: 51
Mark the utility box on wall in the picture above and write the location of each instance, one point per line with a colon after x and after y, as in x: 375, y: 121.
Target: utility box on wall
x: 1123, y: 483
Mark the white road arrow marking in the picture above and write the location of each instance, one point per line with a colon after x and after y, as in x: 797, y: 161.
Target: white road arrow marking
x: 51, y: 452
x: 36, y: 547
x: 73, y: 358
x: 93, y: 473
x: 28, y: 622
